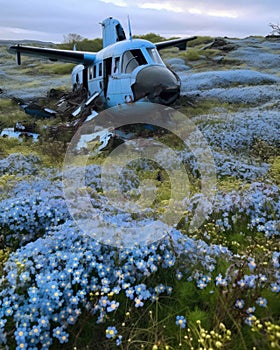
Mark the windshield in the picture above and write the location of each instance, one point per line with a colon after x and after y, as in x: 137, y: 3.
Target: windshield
x: 154, y: 55
x: 132, y: 59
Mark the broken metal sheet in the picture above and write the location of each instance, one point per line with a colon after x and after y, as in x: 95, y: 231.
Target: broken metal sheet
x: 11, y: 133
x: 86, y: 104
x: 51, y: 111
x: 92, y: 98
x: 103, y: 137
x: 77, y: 111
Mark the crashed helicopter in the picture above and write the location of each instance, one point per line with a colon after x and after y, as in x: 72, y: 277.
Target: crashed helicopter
x: 124, y: 71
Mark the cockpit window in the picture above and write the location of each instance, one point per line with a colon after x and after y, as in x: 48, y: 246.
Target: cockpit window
x: 132, y: 59
x: 154, y: 55
x: 120, y: 33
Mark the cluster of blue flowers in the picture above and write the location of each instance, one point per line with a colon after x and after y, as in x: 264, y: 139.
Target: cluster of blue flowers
x: 50, y: 281
x: 240, y: 167
x: 19, y: 164
x: 237, y: 132
x: 232, y: 138
x: 226, y: 164
x: 33, y: 208
x: 259, y: 205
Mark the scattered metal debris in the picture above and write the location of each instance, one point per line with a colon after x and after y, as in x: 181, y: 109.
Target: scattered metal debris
x: 71, y: 110
x: 37, y: 111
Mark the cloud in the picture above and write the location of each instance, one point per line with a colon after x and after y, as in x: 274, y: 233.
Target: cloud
x: 120, y: 3
x: 213, y: 13
x: 161, y: 6
x: 195, y: 11
x: 225, y: 14
x: 33, y: 19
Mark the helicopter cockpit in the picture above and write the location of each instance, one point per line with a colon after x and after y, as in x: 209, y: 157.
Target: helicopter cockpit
x: 133, y: 58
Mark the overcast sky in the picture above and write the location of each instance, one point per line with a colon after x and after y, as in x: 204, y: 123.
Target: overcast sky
x: 49, y: 20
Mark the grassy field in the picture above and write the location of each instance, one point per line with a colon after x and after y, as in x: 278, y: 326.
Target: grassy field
x: 213, y: 287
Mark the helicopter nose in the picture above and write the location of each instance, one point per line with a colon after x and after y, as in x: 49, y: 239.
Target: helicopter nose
x: 158, y: 84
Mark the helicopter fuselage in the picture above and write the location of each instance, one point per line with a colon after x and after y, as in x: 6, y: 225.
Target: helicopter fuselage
x: 128, y: 71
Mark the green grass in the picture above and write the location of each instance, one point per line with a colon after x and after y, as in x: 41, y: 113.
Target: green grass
x: 192, y: 54
x: 274, y: 172
x: 57, y: 68
x: 10, y: 113
x: 46, y: 68
x: 51, y: 153
x: 200, y: 41
x: 12, y: 145
x: 6, y: 104
x: 202, y: 107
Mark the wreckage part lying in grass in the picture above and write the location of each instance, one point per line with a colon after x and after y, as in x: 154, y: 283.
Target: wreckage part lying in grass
x: 12, y: 133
